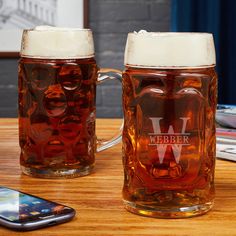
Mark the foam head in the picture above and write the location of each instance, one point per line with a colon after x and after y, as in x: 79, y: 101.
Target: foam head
x: 169, y: 50
x: 59, y: 43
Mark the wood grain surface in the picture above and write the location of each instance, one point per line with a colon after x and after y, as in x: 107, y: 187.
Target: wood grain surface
x: 97, y: 197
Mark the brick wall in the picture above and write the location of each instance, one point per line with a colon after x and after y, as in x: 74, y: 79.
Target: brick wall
x: 110, y: 21
x: 8, y: 87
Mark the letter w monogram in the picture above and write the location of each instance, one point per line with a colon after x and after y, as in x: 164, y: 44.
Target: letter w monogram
x: 161, y: 148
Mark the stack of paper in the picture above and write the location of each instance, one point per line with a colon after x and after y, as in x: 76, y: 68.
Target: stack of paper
x: 226, y: 143
x: 226, y: 137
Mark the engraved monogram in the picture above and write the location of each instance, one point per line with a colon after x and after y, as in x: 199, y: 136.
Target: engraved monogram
x: 174, y: 139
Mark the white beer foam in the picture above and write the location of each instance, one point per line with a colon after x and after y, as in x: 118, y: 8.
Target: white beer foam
x: 169, y: 50
x: 55, y: 42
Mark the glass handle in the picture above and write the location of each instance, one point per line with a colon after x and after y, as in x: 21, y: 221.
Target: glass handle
x: 105, y: 74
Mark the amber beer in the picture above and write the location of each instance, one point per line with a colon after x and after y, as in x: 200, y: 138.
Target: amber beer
x: 57, y: 93
x: 169, y: 103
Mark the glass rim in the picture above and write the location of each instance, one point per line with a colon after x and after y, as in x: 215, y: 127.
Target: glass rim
x: 170, y: 67
x: 59, y: 29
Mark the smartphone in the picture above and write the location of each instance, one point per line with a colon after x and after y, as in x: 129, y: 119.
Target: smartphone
x: 23, y: 212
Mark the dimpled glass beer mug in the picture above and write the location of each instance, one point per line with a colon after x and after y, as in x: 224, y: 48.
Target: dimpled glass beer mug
x: 169, y: 103
x: 57, y: 92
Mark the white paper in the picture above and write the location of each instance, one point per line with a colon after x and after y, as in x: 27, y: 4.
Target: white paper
x: 226, y: 151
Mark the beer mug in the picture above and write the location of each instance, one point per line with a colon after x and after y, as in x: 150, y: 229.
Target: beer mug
x: 169, y: 104
x: 57, y: 92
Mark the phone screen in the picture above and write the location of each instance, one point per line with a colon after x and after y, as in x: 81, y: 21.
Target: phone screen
x: 17, y: 207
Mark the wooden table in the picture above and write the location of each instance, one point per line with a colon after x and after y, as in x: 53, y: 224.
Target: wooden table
x: 97, y: 197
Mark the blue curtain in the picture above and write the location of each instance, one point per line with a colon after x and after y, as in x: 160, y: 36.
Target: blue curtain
x: 217, y: 17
